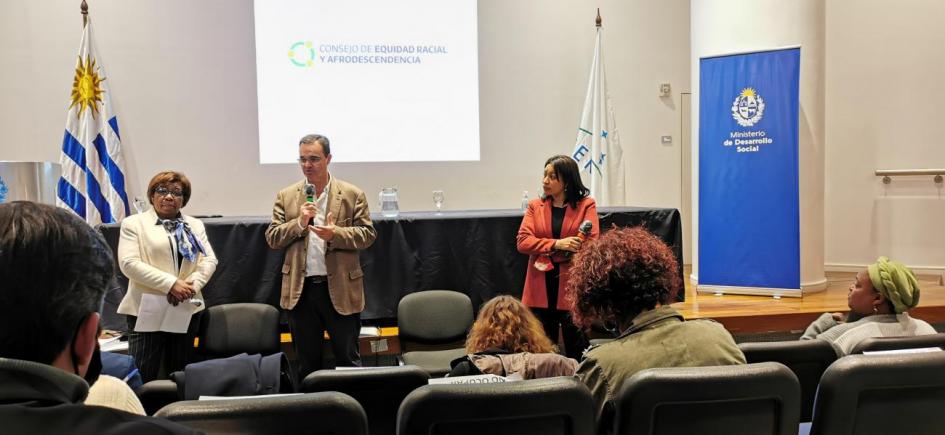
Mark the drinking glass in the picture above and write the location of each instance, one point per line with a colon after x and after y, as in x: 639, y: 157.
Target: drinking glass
x: 438, y: 200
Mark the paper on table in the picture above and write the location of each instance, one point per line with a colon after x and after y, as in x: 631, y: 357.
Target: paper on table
x: 262, y: 396
x: 156, y: 314
x: 475, y: 379
x: 896, y: 351
x: 370, y: 331
x: 112, y: 344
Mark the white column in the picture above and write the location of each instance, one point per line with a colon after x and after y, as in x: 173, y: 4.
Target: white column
x: 728, y: 26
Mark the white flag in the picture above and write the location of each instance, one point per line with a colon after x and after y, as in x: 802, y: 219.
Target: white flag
x: 93, y: 179
x: 597, y: 149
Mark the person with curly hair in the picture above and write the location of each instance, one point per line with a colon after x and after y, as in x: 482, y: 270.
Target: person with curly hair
x: 508, y: 339
x: 626, y: 279
x: 879, y: 300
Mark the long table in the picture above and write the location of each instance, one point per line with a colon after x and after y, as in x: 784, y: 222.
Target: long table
x: 469, y: 251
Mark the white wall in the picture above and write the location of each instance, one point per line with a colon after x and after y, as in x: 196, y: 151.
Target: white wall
x: 182, y: 75
x: 885, y: 109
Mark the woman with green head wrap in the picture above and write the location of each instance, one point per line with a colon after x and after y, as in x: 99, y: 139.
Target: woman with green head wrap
x: 879, y: 300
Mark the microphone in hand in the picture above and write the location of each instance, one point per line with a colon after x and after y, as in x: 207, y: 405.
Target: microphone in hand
x: 310, y: 197
x: 583, y: 231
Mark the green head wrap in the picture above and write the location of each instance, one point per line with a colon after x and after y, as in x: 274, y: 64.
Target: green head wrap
x: 896, y: 282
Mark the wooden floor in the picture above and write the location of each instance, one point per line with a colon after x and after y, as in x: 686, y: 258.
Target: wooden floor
x: 764, y: 314
x: 759, y: 314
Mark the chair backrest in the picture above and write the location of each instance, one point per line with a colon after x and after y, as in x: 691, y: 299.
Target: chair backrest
x: 894, y: 343
x: 230, y: 329
x: 761, y: 398
x: 806, y: 358
x: 157, y: 394
x: 379, y: 390
x: 882, y: 394
x: 322, y: 413
x: 434, y: 316
x: 548, y: 406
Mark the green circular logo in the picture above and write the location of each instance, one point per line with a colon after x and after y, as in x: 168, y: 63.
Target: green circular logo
x: 302, y: 54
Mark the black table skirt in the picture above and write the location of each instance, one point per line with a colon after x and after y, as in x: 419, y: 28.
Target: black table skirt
x: 469, y: 251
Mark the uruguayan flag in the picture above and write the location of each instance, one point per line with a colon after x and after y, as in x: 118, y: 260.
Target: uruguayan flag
x: 93, y: 180
x: 597, y: 149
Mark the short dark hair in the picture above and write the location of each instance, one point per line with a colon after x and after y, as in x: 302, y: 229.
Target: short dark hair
x: 569, y: 174
x: 621, y: 274
x: 167, y: 177
x: 316, y: 138
x: 54, y: 270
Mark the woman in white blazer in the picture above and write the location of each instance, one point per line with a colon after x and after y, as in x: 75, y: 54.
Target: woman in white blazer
x: 164, y: 253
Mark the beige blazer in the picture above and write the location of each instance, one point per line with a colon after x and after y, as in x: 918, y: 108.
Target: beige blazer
x: 353, y: 232
x: 146, y: 258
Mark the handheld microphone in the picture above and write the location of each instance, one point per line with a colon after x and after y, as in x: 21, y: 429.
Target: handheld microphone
x: 584, y: 230
x: 310, y: 197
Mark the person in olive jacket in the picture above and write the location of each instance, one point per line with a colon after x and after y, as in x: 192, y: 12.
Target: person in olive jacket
x: 625, y: 280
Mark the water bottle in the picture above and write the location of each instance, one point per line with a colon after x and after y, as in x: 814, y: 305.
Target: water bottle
x: 140, y: 205
x: 388, y: 200
x: 525, y: 200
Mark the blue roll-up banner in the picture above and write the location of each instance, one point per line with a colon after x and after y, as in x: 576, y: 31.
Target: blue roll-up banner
x: 749, y: 230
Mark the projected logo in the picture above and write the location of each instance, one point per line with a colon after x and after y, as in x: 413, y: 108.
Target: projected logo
x: 748, y: 108
x: 302, y: 54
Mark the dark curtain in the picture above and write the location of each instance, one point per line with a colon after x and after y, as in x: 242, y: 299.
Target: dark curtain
x: 472, y: 252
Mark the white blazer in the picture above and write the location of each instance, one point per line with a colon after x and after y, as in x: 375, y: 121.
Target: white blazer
x: 146, y: 257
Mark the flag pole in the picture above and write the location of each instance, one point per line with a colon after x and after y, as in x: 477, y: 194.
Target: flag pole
x: 598, y: 20
x: 85, y: 13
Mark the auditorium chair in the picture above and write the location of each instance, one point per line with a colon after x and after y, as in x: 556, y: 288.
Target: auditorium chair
x: 806, y: 358
x: 225, y: 330
x: 548, y: 406
x: 322, y: 413
x: 900, y: 394
x: 761, y: 398
x: 379, y: 390
x: 433, y: 326
x: 157, y: 394
x: 874, y: 344
x: 231, y: 329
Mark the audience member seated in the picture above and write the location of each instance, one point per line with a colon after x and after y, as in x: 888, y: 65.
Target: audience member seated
x: 879, y: 299
x: 122, y: 367
x: 508, y: 339
x: 115, y: 385
x: 111, y: 392
x: 624, y: 280
x: 55, y: 269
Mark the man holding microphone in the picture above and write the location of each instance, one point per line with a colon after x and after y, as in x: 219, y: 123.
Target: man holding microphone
x: 322, y: 222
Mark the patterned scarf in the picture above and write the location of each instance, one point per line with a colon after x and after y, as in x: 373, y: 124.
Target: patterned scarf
x: 187, y: 243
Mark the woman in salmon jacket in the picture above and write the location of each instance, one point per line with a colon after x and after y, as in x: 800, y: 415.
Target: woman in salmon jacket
x: 554, y: 227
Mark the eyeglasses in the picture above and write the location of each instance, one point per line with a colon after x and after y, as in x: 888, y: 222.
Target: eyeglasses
x: 312, y: 160
x: 162, y: 191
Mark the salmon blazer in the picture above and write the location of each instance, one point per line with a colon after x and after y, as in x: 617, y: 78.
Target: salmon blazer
x: 535, y: 238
